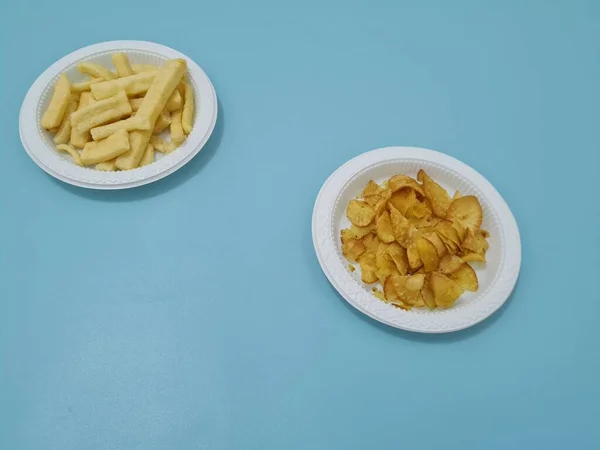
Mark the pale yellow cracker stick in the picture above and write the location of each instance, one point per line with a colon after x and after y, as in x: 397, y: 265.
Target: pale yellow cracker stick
x: 154, y: 102
x: 63, y: 134
x: 159, y: 144
x: 132, y: 123
x: 61, y: 97
x: 71, y: 151
x: 85, y: 86
x: 109, y: 148
x: 163, y: 121
x: 139, y: 68
x: 106, y: 166
x: 132, y: 85
x: 78, y: 139
x: 148, y: 157
x: 136, y: 103
x: 96, y: 71
x: 187, y: 116
x: 177, y: 134
x: 121, y: 63
x: 101, y: 112
x: 175, y: 101
x: 171, y: 146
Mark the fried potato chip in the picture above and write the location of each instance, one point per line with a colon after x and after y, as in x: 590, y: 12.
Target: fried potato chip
x: 450, y: 264
x: 385, y: 264
x: 428, y: 254
x: 467, y: 212
x: 418, y: 210
x: 381, y: 206
x: 408, y: 288
x: 384, y: 228
x: 446, y: 230
x: 401, y: 227
x: 380, y: 295
x: 359, y: 213
x: 475, y: 242
x: 420, y: 302
x: 414, y: 259
x: 368, y: 267
x: 372, y: 188
x: 457, y: 194
x: 435, y: 194
x: 435, y: 239
x: 355, y: 232
x: 473, y: 257
x: 352, y: 249
x: 403, y: 199
x: 398, y: 182
x: 427, y: 295
x: 485, y: 233
x: 445, y: 291
x: 371, y: 242
x: 398, y: 255
x: 465, y: 277
x: 389, y: 291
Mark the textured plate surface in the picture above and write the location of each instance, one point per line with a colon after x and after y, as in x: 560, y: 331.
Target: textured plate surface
x: 497, y: 277
x: 38, y: 142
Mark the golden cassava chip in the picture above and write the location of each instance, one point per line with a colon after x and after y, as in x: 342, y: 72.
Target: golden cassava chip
x: 403, y: 199
x: 435, y: 239
x: 450, y: 264
x: 475, y: 242
x: 465, y: 277
x: 352, y: 249
x: 398, y: 255
x: 467, y: 212
x: 445, y: 291
x: 368, y: 267
x: 384, y: 228
x: 412, y: 253
x: 372, y: 188
x: 385, y: 264
x: 473, y: 257
x: 359, y: 213
x: 401, y: 227
x: 355, y: 232
x: 408, y: 288
x: 427, y: 295
x: 437, y: 195
x: 398, y: 182
x: 377, y: 293
x: 428, y: 254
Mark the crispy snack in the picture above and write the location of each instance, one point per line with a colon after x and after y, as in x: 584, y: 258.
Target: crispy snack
x: 187, y: 116
x: 109, y: 148
x: 359, y: 213
x: 139, y: 68
x: 78, y: 139
x: 466, y: 212
x: 352, y: 249
x: 133, y: 85
x: 445, y: 291
x: 158, y: 144
x: 101, y: 112
x: 96, y: 71
x: 166, y: 81
x: 177, y: 134
x: 85, y: 86
x: 398, y: 255
x: 415, y: 241
x: 465, y: 277
x: 148, y: 157
x: 121, y: 63
x: 435, y: 194
x: 61, y: 97
x: 63, y: 134
x: 385, y: 232
x: 71, y: 151
x: 163, y: 121
x: 132, y: 123
x: 106, y: 166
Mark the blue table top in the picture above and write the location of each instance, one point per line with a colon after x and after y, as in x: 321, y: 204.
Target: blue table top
x: 192, y: 313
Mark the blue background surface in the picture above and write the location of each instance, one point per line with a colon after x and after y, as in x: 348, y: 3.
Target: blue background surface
x: 192, y: 313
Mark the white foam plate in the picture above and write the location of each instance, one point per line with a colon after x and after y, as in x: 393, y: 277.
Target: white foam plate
x: 497, y: 277
x: 38, y: 142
